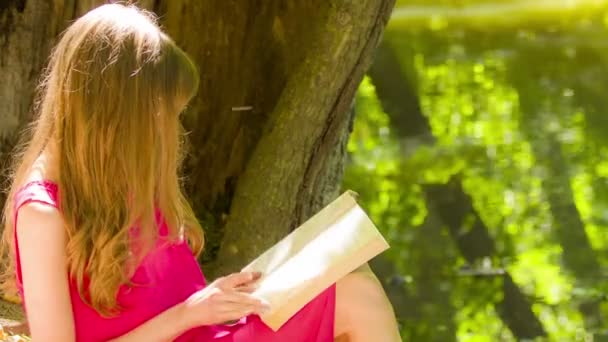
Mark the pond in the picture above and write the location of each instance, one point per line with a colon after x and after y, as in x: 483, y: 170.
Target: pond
x: 480, y: 150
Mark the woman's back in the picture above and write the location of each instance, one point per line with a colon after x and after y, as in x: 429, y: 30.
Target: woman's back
x: 168, y: 275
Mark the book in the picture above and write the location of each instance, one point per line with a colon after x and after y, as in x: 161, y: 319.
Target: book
x: 328, y: 246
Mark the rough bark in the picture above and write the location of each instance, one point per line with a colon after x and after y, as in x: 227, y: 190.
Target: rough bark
x: 24, y: 47
x: 245, y: 51
x: 447, y: 201
x: 279, y: 187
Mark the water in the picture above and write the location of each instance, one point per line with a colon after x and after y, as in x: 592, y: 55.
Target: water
x: 479, y: 149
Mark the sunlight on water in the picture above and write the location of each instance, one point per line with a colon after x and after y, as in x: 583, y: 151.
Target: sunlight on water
x: 492, y: 14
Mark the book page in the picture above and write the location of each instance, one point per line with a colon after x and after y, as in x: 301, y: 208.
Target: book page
x: 325, y: 248
x: 274, y: 257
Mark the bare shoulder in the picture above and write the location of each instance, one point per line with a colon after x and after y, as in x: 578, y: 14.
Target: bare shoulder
x: 40, y: 220
x: 39, y: 212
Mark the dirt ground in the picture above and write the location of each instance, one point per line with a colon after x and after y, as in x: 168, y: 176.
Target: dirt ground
x: 11, y: 319
x: 10, y: 312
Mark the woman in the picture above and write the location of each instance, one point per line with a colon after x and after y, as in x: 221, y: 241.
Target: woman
x: 102, y: 239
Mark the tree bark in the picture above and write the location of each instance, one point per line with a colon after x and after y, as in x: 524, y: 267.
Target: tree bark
x: 285, y: 153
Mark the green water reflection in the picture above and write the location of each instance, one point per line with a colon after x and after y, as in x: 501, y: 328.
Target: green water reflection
x: 480, y: 149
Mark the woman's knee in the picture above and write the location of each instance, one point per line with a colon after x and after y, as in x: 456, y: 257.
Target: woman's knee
x: 363, y: 290
x: 363, y: 309
x: 359, y: 295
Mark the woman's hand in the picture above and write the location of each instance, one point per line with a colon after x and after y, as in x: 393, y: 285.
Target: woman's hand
x: 226, y: 299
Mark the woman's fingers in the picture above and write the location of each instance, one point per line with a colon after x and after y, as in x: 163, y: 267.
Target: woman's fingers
x: 243, y: 298
x: 231, y: 317
x: 238, y: 279
x: 233, y: 311
x: 236, y: 308
x: 239, y: 304
x: 245, y: 288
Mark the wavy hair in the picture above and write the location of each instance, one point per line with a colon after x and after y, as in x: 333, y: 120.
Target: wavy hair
x: 109, y: 102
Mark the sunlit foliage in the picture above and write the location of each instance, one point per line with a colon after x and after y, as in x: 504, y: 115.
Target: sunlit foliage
x: 519, y: 120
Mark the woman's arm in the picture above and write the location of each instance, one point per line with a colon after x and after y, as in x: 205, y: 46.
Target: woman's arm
x: 226, y: 299
x: 42, y: 251
x: 166, y: 326
x: 42, y: 245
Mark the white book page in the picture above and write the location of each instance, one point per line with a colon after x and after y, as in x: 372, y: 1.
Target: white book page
x: 328, y: 246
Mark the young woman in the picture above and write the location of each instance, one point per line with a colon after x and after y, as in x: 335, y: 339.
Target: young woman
x: 102, y: 240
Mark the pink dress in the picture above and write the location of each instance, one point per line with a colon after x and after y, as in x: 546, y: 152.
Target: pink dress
x: 171, y: 274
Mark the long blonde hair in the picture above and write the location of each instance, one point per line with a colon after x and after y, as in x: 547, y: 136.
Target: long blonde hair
x: 110, y: 102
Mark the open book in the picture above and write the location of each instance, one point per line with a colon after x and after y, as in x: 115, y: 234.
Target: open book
x: 328, y: 246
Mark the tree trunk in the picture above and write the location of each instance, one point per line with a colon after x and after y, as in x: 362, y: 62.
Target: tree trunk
x: 295, y: 65
x: 269, y: 125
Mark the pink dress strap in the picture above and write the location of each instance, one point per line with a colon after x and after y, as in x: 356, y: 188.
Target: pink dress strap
x: 40, y: 191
